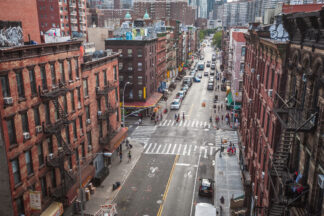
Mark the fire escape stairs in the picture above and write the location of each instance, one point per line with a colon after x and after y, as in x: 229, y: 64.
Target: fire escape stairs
x: 277, y: 209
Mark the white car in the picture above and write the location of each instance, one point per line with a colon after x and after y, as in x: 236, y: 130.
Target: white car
x: 175, y: 105
x: 184, y: 89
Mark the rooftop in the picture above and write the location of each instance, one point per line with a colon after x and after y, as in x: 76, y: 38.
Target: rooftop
x: 238, y: 36
x: 286, y: 9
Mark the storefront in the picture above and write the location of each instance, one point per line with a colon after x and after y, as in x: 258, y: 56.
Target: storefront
x: 55, y: 209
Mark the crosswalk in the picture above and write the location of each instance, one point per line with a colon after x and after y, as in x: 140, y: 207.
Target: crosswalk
x: 229, y: 135
x: 178, y: 149
x: 142, y: 134
x: 185, y: 123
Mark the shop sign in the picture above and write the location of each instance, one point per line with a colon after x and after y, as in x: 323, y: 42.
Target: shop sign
x: 35, y: 200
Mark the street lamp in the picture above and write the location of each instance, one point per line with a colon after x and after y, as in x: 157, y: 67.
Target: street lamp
x: 127, y: 83
x: 106, y: 154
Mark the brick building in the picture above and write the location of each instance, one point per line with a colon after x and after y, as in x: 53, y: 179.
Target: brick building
x: 264, y: 78
x: 137, y: 65
x: 161, y: 61
x: 48, y: 125
x: 23, y: 11
x: 106, y: 17
x: 68, y: 16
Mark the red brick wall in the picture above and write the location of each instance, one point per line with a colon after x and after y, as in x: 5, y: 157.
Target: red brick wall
x: 160, y: 59
x: 24, y: 11
x: 48, y: 14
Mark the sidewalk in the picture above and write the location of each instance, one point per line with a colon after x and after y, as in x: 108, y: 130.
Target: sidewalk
x: 118, y: 171
x: 228, y: 181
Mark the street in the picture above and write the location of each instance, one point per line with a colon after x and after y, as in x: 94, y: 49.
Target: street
x: 165, y: 181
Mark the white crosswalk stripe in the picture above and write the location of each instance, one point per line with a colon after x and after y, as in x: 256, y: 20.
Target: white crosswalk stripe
x: 142, y: 134
x: 179, y: 149
x: 185, y: 123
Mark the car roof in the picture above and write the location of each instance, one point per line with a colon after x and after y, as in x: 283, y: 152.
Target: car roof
x: 176, y: 100
x: 180, y: 92
x: 205, y: 182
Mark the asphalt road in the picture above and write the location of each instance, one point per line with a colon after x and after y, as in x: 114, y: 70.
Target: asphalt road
x: 165, y: 180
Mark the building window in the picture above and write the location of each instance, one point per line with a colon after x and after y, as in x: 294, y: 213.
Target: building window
x: 140, y: 80
x: 20, y: 205
x: 36, y: 116
x: 65, y: 104
x: 121, y: 52
x: 70, y: 70
x: 268, y: 125
x: 43, y: 76
x: 76, y: 62
x: 139, y: 66
x: 263, y: 117
x: 121, y: 78
x: 16, y: 171
x: 87, y: 111
x: 29, y: 162
x: 139, y: 53
x: 130, y: 52
x: 53, y: 76
x: 77, y: 154
x: 24, y: 121
x: 243, y: 51
x: 242, y: 67
x: 79, y: 98
x: 140, y: 94
x: 67, y: 134
x: 5, y: 86
x: 89, y: 138
x: 131, y: 96
x: 81, y: 125
x: 11, y: 131
x: 72, y: 101
x: 120, y: 65
x: 130, y: 78
x: 97, y: 80
x: 85, y: 87
x: 115, y: 72
x: 116, y: 95
x: 43, y: 186
x: 130, y: 67
x: 40, y: 154
x: 100, y: 130
x: 53, y: 178
x: 117, y: 116
x: 20, y: 85
x: 50, y: 145
x: 32, y: 80
x: 99, y: 104
x: 47, y: 113
x: 273, y: 73
x: 241, y: 85
x: 83, y: 150
x: 267, y: 77
x: 62, y: 74
x: 105, y: 77
x: 75, y: 135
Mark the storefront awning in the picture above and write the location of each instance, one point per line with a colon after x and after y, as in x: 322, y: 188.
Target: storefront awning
x: 118, y: 139
x: 150, y: 102
x: 55, y: 209
x: 87, y: 174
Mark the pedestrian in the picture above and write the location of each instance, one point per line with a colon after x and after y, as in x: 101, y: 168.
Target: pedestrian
x: 175, y: 116
x: 183, y: 116
x: 129, y: 156
x: 121, y: 156
x: 127, y: 143
x: 222, y: 200
x: 161, y: 117
x: 222, y: 118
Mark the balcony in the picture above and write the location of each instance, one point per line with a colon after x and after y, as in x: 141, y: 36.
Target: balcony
x: 106, y: 140
x: 105, y: 114
x: 75, y: 21
x: 72, y: 5
x: 73, y: 13
x: 55, y: 92
x: 104, y: 91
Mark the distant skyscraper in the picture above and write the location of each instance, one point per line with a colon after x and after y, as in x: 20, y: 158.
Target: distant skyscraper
x: 126, y: 4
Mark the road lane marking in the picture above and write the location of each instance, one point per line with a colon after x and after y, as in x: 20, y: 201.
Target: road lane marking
x: 186, y: 164
x: 211, y: 150
x: 201, y: 124
x: 189, y: 150
x: 164, y: 123
x: 148, y: 147
x: 194, y: 189
x: 157, y: 151
x: 155, y: 144
x: 160, y: 124
x: 193, y: 122
x: 169, y: 148
x: 169, y: 122
x: 197, y: 123
x: 164, y: 148
x: 168, y: 185
x: 180, y: 145
x: 145, y: 145
x: 185, y: 149
x: 173, y: 151
x: 205, y: 156
x: 180, y: 124
x: 195, y: 148
x: 205, y: 124
x: 172, y: 123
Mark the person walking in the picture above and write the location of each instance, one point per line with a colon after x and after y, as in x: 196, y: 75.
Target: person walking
x: 183, y: 116
x: 129, y: 156
x: 175, y: 116
x: 121, y: 156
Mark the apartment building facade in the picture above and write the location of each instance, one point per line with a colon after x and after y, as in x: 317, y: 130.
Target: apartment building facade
x: 69, y: 16
x: 161, y: 61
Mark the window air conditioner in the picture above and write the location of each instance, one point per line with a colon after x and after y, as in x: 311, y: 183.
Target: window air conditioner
x: 99, y: 113
x: 8, y: 100
x: 26, y: 135
x: 88, y: 121
x: 270, y: 92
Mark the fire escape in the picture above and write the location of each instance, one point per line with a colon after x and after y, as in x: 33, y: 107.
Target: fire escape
x: 105, y: 115
x: 292, y: 119
x: 57, y: 160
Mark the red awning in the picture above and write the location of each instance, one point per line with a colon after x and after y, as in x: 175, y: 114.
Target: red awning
x: 117, y: 140
x: 87, y: 174
x: 150, y: 102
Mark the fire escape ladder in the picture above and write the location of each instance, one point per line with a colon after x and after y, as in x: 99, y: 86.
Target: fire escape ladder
x: 61, y: 113
x: 66, y: 147
x: 277, y: 209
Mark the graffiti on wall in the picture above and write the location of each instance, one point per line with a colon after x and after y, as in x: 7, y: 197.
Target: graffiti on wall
x: 11, y: 36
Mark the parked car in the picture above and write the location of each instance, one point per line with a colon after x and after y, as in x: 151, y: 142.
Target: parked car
x: 192, y: 73
x: 212, y: 73
x: 206, y: 73
x: 184, y: 90
x: 207, y: 65
x: 213, y: 66
x: 206, y: 187
x: 196, y: 79
x: 175, y: 105
x: 186, y: 87
x: 210, y: 86
x: 180, y: 95
x: 199, y: 75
